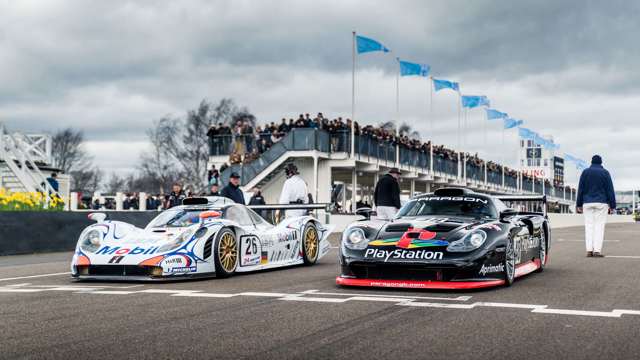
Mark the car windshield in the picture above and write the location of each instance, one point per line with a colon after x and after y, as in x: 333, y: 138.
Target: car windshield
x: 176, y: 218
x: 449, y: 206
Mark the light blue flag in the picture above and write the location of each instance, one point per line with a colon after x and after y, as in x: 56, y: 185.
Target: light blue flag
x: 526, y: 133
x: 510, y: 123
x: 409, y: 68
x: 365, y: 44
x: 445, y: 84
x: 471, y: 101
x: 495, y: 114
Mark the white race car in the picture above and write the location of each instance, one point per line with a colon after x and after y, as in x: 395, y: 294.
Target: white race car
x: 202, y: 237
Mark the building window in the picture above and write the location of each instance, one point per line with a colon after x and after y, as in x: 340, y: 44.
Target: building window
x: 546, y: 162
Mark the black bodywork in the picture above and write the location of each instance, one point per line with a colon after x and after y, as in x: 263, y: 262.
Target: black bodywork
x: 416, y: 248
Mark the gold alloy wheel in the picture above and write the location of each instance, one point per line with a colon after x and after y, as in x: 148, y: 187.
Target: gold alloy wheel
x: 311, y: 243
x: 227, y: 252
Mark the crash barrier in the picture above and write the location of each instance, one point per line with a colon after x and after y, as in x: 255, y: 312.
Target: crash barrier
x: 27, y: 232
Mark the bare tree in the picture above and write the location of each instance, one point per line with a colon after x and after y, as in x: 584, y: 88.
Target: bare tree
x: 86, y: 181
x: 179, y: 146
x: 223, y: 112
x: 115, y: 183
x: 68, y: 152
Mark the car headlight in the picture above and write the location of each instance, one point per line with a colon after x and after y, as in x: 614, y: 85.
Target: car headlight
x: 176, y: 242
x: 469, y: 242
x: 355, y: 239
x: 91, y: 240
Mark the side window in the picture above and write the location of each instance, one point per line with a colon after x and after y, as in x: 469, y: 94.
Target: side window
x: 258, y: 220
x: 238, y: 214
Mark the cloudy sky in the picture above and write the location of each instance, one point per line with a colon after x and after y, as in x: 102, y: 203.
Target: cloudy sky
x: 568, y: 68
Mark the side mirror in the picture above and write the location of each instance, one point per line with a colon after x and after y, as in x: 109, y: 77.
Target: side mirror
x: 97, y: 217
x: 366, y: 212
x: 209, y: 214
x: 506, y: 213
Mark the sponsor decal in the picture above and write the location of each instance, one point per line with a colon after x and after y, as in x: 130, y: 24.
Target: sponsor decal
x: 250, y: 250
x: 484, y: 270
x: 456, y: 198
x: 117, y: 250
x: 524, y: 243
x: 178, y: 264
x: 490, y: 227
x: 412, y: 239
x: 385, y: 255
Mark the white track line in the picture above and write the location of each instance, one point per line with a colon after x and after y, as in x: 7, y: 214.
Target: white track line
x: 304, y: 297
x: 34, y: 276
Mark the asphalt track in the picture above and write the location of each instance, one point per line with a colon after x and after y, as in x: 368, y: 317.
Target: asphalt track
x: 578, y: 308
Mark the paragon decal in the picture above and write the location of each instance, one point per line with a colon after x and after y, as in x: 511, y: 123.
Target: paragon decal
x: 484, y: 270
x: 116, y: 250
x: 456, y: 198
x: 402, y: 254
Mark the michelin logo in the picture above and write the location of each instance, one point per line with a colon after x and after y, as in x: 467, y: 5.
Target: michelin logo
x: 484, y: 270
x: 402, y: 254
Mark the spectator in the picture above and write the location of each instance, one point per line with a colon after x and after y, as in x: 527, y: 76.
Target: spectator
x: 232, y: 190
x: 596, y: 198
x: 214, y: 190
x: 258, y: 199
x: 175, y: 197
x: 53, y: 182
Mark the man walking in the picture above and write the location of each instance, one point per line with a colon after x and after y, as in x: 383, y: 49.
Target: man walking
x: 596, y: 198
x: 387, y: 195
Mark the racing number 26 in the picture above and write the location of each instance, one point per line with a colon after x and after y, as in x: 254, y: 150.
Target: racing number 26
x: 251, y: 245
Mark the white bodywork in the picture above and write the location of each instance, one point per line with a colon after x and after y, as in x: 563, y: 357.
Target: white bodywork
x: 182, y: 251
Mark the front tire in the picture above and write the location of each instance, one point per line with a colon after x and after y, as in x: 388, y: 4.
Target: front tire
x: 310, y: 244
x: 509, y: 263
x: 225, y: 255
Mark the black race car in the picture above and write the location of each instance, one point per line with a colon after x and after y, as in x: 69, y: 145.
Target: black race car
x: 451, y: 239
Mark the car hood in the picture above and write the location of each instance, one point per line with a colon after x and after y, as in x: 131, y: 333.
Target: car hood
x: 428, y: 231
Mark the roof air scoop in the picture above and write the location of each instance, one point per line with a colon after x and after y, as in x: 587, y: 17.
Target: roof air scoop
x: 452, y: 192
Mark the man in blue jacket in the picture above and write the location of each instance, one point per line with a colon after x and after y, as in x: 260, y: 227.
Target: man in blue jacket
x: 596, y: 198
x: 232, y: 190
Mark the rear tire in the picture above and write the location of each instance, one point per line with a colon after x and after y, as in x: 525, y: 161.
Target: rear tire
x: 310, y: 244
x: 225, y: 253
x: 542, y: 250
x: 509, y: 263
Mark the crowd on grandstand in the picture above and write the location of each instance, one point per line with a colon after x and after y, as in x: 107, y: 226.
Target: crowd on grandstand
x: 244, y: 141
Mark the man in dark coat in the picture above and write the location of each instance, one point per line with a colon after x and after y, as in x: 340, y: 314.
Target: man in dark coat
x: 387, y: 195
x: 596, y: 198
x: 232, y: 190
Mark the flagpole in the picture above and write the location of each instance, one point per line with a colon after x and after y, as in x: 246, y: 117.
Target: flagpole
x: 353, y: 95
x: 459, y: 121
x: 398, y: 94
x: 430, y: 84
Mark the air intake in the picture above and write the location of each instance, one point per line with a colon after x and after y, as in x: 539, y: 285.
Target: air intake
x: 452, y: 192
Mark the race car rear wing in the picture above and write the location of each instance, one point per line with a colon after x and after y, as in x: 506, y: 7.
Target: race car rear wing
x: 526, y: 198
x: 274, y: 219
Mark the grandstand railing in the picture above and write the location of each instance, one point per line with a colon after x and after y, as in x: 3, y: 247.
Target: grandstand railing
x: 367, y: 149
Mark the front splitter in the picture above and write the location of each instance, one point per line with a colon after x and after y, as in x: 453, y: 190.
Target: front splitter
x: 413, y: 284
